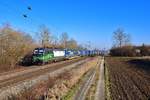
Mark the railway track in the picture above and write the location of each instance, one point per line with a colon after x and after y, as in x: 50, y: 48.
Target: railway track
x: 8, y: 80
x: 16, y: 84
x: 6, y: 75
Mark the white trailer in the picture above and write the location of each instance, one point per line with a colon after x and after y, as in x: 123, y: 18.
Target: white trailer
x: 59, y: 54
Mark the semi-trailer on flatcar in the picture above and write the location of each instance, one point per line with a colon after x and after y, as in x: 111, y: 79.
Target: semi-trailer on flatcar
x: 46, y: 55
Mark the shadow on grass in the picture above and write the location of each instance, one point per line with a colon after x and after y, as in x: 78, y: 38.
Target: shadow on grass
x: 141, y: 63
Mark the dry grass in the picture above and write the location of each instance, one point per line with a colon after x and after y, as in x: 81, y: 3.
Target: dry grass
x: 91, y: 93
x: 56, y: 87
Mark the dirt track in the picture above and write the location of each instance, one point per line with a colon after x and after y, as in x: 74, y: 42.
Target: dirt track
x: 89, y: 79
x: 85, y: 85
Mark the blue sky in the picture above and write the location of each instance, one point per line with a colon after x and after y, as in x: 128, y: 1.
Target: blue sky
x: 84, y: 20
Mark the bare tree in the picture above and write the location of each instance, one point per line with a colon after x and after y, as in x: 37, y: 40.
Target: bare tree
x: 64, y: 39
x: 127, y: 39
x: 80, y: 47
x: 45, y: 36
x: 55, y: 41
x: 72, y: 44
x: 121, y: 38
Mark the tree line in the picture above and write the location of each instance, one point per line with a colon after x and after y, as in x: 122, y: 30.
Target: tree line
x: 14, y: 44
x: 47, y: 39
x: 123, y: 47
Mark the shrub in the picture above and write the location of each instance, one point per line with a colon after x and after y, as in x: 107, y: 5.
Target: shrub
x: 13, y: 46
x: 123, y: 51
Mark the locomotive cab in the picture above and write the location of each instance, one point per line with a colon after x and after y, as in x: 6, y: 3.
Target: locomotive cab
x: 42, y: 55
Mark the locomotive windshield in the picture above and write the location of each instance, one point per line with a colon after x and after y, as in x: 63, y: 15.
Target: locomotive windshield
x: 38, y: 52
x: 41, y: 51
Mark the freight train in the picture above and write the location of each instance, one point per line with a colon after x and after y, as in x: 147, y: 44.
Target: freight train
x: 47, y: 55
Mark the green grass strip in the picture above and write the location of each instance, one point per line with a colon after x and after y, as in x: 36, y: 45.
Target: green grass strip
x: 107, y: 84
x: 73, y: 90
x: 70, y: 93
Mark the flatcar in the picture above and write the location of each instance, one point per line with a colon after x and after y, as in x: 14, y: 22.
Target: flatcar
x: 68, y: 54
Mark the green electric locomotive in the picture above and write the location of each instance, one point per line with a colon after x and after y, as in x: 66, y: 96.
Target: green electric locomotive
x: 42, y: 55
x: 45, y: 55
